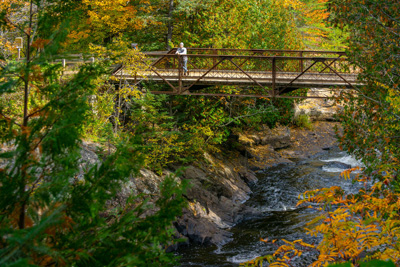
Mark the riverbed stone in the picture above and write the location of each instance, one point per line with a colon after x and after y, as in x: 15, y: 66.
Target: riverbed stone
x: 306, y: 143
x: 245, y: 139
x: 278, y: 138
x: 337, y: 164
x: 248, y: 176
x: 200, y: 231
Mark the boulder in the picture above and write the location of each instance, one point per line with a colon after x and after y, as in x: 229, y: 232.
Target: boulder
x: 200, y: 230
x: 278, y: 137
x: 337, y: 164
x: 277, y: 142
x: 248, y: 176
x: 245, y: 140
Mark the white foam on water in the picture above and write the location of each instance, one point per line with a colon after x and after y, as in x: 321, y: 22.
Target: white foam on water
x: 347, y: 159
x: 277, y: 208
x: 328, y: 169
x: 240, y: 258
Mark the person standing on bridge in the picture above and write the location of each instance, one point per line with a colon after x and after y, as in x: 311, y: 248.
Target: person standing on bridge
x: 183, y: 51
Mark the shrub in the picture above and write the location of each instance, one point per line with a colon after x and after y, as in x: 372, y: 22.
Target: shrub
x: 303, y: 121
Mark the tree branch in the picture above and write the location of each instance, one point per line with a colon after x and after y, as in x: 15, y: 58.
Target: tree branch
x: 7, y: 118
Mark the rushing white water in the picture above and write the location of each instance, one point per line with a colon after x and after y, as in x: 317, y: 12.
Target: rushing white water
x: 346, y: 159
x: 246, y: 256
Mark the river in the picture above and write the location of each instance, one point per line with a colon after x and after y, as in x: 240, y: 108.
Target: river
x: 275, y: 197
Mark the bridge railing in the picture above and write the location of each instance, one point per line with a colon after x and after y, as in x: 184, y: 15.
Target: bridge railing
x: 73, y: 60
x: 252, y: 60
x: 263, y: 52
x: 256, y: 63
x: 270, y: 53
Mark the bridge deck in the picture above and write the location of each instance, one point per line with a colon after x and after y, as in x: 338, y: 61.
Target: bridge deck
x: 282, y: 79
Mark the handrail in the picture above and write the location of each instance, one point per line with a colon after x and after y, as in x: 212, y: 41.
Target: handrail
x: 268, y: 50
x: 245, y: 56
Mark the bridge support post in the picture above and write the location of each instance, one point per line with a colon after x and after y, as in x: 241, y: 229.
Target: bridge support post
x: 180, y: 60
x: 273, y: 76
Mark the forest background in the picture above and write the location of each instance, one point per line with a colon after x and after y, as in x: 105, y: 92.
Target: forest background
x: 44, y: 116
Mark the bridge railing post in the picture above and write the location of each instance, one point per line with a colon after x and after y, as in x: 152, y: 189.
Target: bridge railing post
x: 174, y: 63
x: 301, y: 62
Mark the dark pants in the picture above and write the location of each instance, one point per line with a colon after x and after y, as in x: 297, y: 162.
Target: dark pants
x: 184, y: 65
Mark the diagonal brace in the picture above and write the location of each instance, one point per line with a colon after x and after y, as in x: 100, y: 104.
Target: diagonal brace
x: 328, y: 66
x: 213, y: 67
x: 301, y: 74
x: 248, y: 75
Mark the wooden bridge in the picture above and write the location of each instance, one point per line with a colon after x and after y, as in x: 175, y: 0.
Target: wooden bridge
x: 259, y: 73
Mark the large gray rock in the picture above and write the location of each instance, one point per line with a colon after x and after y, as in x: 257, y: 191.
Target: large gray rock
x: 248, y: 176
x: 338, y: 165
x: 215, y: 198
x: 278, y: 138
x: 200, y: 230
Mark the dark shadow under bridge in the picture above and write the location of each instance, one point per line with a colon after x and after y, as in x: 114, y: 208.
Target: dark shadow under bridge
x: 260, y: 73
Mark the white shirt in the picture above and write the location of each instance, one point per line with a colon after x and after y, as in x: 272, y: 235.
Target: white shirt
x: 182, y: 51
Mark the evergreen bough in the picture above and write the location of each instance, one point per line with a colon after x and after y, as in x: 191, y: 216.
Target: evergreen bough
x: 47, y: 216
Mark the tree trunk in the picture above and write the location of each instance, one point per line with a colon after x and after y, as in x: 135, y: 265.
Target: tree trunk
x: 170, y: 26
x: 21, y: 220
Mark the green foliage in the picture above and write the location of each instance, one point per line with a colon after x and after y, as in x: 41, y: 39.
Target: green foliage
x: 266, y: 24
x: 337, y: 39
x: 162, y: 143
x: 346, y: 264
x: 371, y: 117
x: 178, y: 129
x: 203, y: 117
x: 378, y: 263
x: 262, y: 116
x: 303, y: 121
x: 240, y: 24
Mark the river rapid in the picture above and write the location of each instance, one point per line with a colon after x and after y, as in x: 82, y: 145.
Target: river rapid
x: 275, y: 197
